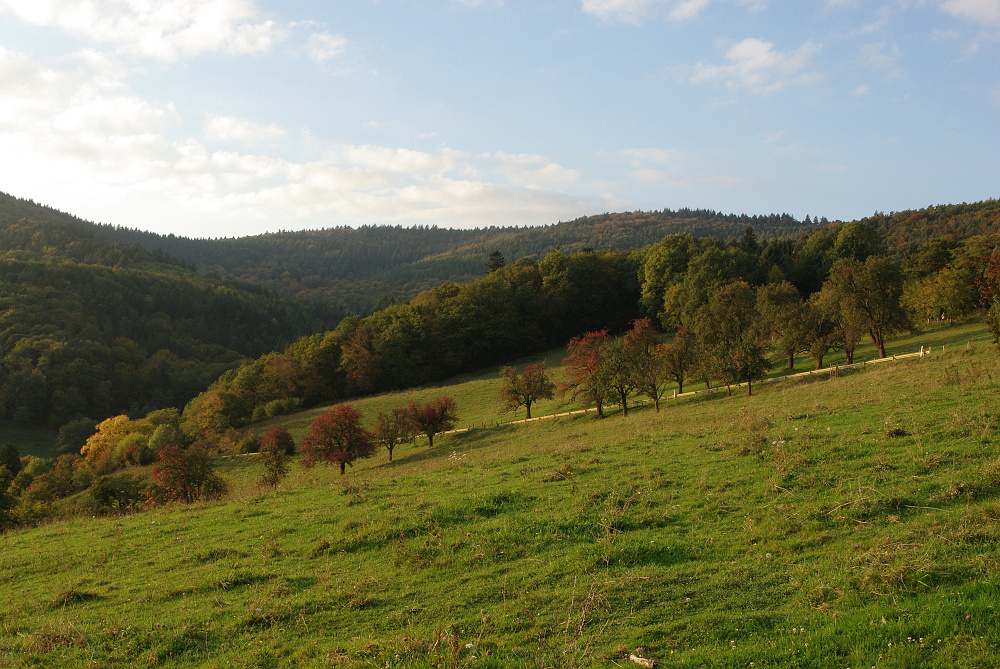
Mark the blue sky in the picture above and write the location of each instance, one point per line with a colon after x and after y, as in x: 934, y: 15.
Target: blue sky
x: 216, y: 118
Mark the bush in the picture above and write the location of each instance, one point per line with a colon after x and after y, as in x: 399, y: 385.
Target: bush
x: 185, y: 475
x: 121, y: 492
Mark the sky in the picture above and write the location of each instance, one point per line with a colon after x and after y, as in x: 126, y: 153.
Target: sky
x: 226, y: 118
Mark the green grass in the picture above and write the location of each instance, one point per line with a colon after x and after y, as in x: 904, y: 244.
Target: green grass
x: 840, y: 522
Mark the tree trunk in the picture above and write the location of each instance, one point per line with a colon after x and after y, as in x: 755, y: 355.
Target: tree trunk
x: 879, y: 340
x: 527, y: 405
x: 390, y: 453
x: 791, y: 361
x: 819, y: 362
x: 624, y: 403
x: 430, y: 440
x: 749, y: 388
x: 849, y: 353
x: 343, y: 468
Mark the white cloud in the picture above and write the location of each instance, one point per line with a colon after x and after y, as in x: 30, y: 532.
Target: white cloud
x: 882, y: 58
x: 85, y: 143
x: 158, y: 29
x: 233, y: 128
x: 755, y: 65
x: 632, y: 11
x: 530, y: 170
x: 982, y: 11
x: 647, y: 166
x: 322, y: 47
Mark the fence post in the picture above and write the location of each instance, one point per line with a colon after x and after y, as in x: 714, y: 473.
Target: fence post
x: 921, y: 351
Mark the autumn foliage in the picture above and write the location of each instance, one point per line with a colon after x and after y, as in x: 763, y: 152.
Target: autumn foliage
x: 337, y: 436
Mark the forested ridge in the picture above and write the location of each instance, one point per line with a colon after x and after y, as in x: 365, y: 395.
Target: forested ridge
x: 91, y: 328
x: 355, y: 268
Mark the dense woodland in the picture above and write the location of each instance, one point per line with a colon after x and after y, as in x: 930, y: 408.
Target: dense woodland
x: 355, y: 268
x: 92, y: 328
x: 110, y: 340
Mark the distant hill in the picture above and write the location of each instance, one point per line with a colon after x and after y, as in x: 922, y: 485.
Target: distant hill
x: 355, y: 268
x: 90, y: 328
x: 903, y: 230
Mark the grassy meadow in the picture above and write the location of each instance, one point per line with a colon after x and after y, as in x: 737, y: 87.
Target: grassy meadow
x: 844, y: 522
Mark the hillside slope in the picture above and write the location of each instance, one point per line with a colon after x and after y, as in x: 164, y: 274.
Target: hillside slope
x: 816, y: 524
x: 91, y: 328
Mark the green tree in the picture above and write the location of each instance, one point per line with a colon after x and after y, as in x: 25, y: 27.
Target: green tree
x: 522, y: 388
x: 10, y: 458
x: 495, y: 262
x: 819, y: 331
x: 780, y: 308
x: 858, y: 241
x: 648, y: 360
x: 731, y: 328
x: 681, y: 357
x: 616, y: 372
x: 871, y: 292
x: 337, y: 436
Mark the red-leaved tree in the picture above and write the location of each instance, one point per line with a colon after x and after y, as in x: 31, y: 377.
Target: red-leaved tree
x: 185, y: 475
x: 436, y: 416
x: 583, y: 377
x: 337, y: 436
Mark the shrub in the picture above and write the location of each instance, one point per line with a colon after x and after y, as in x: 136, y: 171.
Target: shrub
x: 185, y: 475
x: 121, y: 492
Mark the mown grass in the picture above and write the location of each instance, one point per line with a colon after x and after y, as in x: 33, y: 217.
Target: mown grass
x: 840, y: 522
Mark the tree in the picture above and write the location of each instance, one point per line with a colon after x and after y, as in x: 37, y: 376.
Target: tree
x: 393, y: 427
x: 436, y: 416
x: 730, y: 326
x: 275, y: 447
x: 583, y: 370
x: 337, y: 436
x: 946, y: 294
x: 647, y: 358
x: 616, y: 371
x: 681, y: 357
x: 523, y: 388
x: 832, y: 304
x: 780, y: 309
x: 281, y: 438
x: 871, y: 291
x: 185, y: 475
x: 858, y: 241
x: 10, y: 458
x: 495, y: 262
x: 819, y: 332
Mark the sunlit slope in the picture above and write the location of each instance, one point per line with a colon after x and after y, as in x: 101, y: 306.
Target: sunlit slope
x: 838, y: 522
